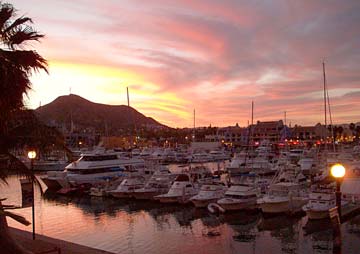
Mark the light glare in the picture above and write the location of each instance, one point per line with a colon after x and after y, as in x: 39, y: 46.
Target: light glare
x: 337, y: 170
x: 31, y: 155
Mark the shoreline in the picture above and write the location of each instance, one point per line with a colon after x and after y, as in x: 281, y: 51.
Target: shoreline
x: 44, y: 243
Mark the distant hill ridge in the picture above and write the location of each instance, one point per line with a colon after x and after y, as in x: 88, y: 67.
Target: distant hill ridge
x: 86, y: 114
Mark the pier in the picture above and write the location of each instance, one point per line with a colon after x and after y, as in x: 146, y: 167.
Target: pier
x: 349, y: 211
x: 44, y: 244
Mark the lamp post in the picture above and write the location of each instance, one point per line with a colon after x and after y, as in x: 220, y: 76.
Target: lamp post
x: 32, y: 155
x: 338, y: 172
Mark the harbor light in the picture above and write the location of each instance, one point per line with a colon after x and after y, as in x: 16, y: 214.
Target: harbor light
x: 337, y: 171
x: 31, y: 154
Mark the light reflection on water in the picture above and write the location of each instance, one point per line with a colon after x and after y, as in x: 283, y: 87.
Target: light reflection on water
x: 127, y: 226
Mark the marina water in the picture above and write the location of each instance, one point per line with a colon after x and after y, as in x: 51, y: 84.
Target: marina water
x: 132, y: 226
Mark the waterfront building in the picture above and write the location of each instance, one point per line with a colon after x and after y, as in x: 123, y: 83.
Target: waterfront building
x: 309, y: 133
x: 270, y: 130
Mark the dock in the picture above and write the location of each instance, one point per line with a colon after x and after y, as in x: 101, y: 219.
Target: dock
x: 44, y: 244
x: 349, y: 211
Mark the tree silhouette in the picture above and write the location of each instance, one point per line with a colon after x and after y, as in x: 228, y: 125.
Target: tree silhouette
x: 16, y: 67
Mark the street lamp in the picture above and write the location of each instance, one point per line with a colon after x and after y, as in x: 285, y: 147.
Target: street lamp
x: 338, y: 172
x: 32, y: 155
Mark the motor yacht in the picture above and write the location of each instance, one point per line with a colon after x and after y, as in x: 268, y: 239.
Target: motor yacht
x: 127, y: 187
x: 284, y: 197
x: 94, y: 168
x: 158, y: 184
x: 181, y: 190
x: 321, y: 200
x: 240, y: 197
x: 200, y: 157
x: 217, y: 155
x: 209, y: 193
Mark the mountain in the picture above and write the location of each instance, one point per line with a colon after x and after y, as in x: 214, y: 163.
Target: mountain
x: 85, y: 114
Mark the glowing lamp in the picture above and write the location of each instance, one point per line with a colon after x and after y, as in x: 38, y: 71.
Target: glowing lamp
x: 31, y: 155
x: 337, y: 170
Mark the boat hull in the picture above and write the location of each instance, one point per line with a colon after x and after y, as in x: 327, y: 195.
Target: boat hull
x: 121, y: 194
x: 317, y: 215
x: 234, y: 206
x: 282, y: 206
x: 202, y: 203
x: 51, y: 184
x: 145, y: 195
x: 173, y: 199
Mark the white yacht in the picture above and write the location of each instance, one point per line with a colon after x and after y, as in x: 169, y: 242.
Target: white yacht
x: 181, y: 190
x: 240, y: 197
x: 217, y: 155
x: 320, y: 201
x: 127, y: 187
x: 94, y: 168
x: 209, y: 193
x: 159, y: 183
x: 284, y: 197
x: 200, y: 157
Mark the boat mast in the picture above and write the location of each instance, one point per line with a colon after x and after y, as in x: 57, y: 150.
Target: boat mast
x: 194, y: 127
x: 133, y: 129
x: 325, y: 134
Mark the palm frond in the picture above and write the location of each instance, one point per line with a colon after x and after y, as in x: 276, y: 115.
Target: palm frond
x: 16, y: 217
x: 6, y: 12
x: 13, y: 166
x: 19, y: 21
x: 10, y: 207
x: 24, y: 59
x: 20, y: 35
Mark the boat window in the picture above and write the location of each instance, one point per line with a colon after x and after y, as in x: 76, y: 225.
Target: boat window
x: 188, y: 185
x: 95, y: 170
x: 99, y: 157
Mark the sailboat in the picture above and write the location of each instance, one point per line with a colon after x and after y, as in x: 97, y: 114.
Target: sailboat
x: 322, y: 196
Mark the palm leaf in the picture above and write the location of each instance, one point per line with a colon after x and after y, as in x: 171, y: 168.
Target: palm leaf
x: 6, y: 12
x: 16, y: 217
x: 21, y: 35
x: 20, y: 21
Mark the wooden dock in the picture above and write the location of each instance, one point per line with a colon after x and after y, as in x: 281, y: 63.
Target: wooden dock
x: 349, y: 211
x: 44, y: 244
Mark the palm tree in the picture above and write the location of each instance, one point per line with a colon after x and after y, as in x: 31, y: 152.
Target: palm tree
x: 16, y: 67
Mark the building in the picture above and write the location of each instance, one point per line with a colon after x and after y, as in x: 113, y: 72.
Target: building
x: 232, y: 135
x: 309, y: 133
x: 270, y: 130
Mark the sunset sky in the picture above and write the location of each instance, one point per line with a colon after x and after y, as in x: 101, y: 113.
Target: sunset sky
x: 214, y: 56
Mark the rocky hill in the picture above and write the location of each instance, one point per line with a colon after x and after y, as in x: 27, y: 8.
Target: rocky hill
x: 84, y: 114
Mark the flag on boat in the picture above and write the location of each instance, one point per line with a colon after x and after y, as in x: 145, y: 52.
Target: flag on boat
x: 26, y: 192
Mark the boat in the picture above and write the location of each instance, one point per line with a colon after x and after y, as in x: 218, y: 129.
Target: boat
x: 284, y: 197
x: 181, y: 190
x: 159, y: 183
x: 209, y: 193
x: 200, y: 157
x: 94, y: 168
x: 127, y: 187
x: 321, y: 200
x: 217, y: 155
x: 240, y: 197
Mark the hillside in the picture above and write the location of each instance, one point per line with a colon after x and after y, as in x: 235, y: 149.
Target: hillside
x: 86, y: 114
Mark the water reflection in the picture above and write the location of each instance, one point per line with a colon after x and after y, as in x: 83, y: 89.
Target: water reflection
x: 244, y: 225
x: 135, y: 226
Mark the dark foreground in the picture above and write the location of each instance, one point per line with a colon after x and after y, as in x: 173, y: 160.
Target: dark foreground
x: 44, y: 244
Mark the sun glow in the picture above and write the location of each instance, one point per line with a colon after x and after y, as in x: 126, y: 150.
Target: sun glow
x: 103, y: 84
